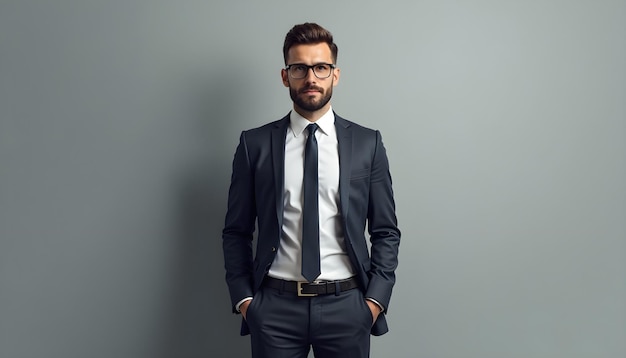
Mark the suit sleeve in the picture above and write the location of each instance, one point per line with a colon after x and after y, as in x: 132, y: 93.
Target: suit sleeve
x: 239, y: 226
x: 382, y: 228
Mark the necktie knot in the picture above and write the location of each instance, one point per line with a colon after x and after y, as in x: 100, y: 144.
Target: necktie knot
x: 312, y: 128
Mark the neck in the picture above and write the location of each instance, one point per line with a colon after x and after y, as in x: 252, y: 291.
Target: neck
x: 312, y: 116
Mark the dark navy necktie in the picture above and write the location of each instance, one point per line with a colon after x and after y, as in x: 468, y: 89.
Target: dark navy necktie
x: 310, y: 221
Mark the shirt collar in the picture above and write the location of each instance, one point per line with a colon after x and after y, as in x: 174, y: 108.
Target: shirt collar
x: 326, y: 123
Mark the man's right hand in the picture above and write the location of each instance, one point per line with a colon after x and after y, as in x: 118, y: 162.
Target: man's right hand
x: 244, y: 308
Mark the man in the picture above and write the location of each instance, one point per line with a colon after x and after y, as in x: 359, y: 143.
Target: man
x: 311, y: 181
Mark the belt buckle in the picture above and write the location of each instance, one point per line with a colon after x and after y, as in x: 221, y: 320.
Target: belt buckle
x: 300, y: 294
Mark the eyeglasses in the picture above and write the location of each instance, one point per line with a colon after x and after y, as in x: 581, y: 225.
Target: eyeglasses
x: 299, y: 70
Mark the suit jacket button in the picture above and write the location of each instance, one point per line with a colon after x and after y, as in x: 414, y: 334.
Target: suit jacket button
x: 273, y: 249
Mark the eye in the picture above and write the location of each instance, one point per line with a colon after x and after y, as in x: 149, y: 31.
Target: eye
x: 299, y: 68
x: 322, y: 67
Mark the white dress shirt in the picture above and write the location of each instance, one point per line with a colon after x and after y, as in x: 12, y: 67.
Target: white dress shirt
x: 334, y: 261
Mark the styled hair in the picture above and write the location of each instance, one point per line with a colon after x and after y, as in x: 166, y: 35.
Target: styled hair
x: 309, y: 34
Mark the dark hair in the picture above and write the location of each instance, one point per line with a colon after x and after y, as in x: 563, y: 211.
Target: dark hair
x: 309, y: 34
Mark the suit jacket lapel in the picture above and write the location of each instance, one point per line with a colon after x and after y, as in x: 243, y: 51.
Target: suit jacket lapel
x: 278, y: 161
x: 344, y: 140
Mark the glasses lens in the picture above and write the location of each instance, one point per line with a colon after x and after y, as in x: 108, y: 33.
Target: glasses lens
x: 298, y: 71
x: 322, y: 71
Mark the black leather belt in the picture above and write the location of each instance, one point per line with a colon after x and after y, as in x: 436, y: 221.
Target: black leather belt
x: 309, y: 289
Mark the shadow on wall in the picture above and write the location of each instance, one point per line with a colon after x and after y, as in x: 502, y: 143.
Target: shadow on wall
x: 199, y: 320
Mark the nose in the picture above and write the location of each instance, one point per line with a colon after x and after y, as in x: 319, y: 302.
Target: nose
x: 310, y: 76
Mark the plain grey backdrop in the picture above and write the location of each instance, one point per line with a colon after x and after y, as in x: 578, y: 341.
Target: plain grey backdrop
x: 504, y: 121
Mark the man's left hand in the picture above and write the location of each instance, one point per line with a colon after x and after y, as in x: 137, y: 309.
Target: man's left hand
x: 375, y: 310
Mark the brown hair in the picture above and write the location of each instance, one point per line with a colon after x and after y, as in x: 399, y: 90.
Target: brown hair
x: 309, y: 34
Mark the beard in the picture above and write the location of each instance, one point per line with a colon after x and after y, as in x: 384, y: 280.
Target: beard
x: 308, y: 103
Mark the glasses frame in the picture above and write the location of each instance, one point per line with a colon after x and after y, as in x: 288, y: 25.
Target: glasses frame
x: 312, y: 68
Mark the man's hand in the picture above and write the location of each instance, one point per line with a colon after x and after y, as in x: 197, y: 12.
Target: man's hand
x: 244, y: 308
x: 373, y: 307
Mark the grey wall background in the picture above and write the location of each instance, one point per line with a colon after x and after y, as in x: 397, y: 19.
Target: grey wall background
x: 505, y: 123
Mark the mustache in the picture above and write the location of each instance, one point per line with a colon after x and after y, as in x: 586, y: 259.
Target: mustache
x: 308, y: 88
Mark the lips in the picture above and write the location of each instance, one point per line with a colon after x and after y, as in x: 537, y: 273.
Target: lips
x: 311, y: 90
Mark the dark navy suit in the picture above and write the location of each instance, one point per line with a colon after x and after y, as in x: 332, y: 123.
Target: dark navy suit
x: 365, y: 193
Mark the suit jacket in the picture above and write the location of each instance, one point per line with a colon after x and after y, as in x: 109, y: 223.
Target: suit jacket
x: 365, y: 193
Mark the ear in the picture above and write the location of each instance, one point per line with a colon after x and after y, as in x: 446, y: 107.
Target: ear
x: 285, y: 77
x: 336, y: 75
